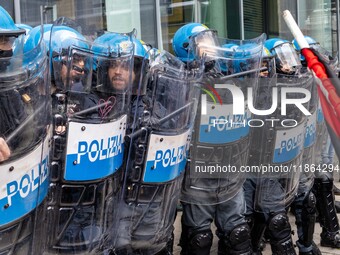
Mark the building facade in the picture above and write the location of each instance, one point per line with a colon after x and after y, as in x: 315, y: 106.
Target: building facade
x: 157, y: 20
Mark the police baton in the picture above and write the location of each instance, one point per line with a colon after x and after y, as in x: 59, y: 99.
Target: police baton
x: 244, y: 73
x: 161, y: 121
x: 23, y: 124
x: 91, y: 109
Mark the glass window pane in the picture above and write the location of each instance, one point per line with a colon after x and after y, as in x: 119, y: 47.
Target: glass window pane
x: 253, y: 18
x: 315, y: 21
x: 174, y: 14
x: 127, y: 12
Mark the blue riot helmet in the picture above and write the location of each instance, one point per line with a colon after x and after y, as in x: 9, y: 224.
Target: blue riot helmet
x: 244, y: 57
x: 27, y: 28
x: 35, y: 33
x: 267, y: 61
x: 310, y: 41
x: 67, y: 47
x: 181, y: 39
x: 110, y: 50
x: 231, y: 48
x: 34, y: 36
x: 7, y: 26
x: 36, y: 43
x: 128, y: 61
x: 140, y: 67
x: 205, y: 45
x: 286, y: 58
x: 225, y: 62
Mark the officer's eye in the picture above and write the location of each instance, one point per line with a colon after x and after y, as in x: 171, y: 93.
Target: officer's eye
x: 119, y: 64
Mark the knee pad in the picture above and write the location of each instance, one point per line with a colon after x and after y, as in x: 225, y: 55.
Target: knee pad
x: 240, y: 237
x: 200, y: 242
x: 279, y: 231
x: 237, y: 242
x: 279, y: 227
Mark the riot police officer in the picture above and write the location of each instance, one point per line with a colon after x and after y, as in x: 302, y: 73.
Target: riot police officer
x: 24, y: 101
x: 85, y: 186
x: 271, y: 193
x: 305, y: 202
x: 8, y: 34
x: 323, y: 184
x: 161, y: 108
x: 219, y: 199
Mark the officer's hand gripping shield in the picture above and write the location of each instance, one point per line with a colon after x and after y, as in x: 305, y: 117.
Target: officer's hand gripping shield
x: 24, y: 130
x: 159, y: 144
x: 277, y: 144
x: 220, y: 143
x: 90, y: 117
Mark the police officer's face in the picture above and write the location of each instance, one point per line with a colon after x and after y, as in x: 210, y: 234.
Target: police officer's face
x: 77, y: 70
x: 206, y: 45
x: 119, y: 74
x: 6, y: 43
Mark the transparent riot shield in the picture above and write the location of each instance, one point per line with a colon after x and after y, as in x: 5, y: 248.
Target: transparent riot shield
x: 24, y: 146
x: 90, y: 113
x: 220, y: 143
x: 321, y: 139
x: 276, y: 147
x: 308, y: 159
x: 158, y: 148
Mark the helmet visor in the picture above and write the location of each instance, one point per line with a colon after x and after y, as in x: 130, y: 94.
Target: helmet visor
x: 332, y: 60
x: 287, y: 61
x: 205, y: 43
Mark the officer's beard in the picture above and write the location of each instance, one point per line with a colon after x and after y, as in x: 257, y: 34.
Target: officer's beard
x: 5, y: 63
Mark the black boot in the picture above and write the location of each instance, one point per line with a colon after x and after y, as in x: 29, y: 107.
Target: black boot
x: 330, y: 236
x: 312, y: 250
x: 330, y: 239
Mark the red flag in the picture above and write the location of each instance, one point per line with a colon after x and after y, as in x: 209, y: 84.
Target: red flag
x: 328, y: 83
x: 328, y: 88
